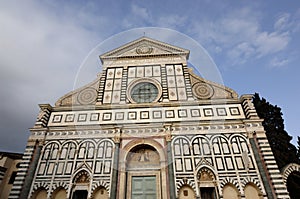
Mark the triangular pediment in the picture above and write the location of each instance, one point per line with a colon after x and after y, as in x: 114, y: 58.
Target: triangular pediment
x: 143, y: 47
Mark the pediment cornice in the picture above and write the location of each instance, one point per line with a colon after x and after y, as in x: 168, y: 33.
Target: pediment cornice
x: 144, y: 47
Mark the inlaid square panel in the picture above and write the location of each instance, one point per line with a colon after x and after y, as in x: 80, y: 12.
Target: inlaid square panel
x: 82, y: 117
x: 117, y: 84
x: 182, y: 113
x: 119, y: 116
x: 57, y: 118
x: 195, y: 112
x: 118, y: 72
x: 181, y: 94
x: 170, y: 114
x: 234, y: 111
x: 110, y: 73
x: 156, y: 71
x: 140, y: 71
x: 171, y: 82
x: 148, y: 71
x: 116, y: 96
x: 172, y: 93
x: 131, y: 71
x: 107, y: 97
x: 157, y: 114
x: 106, y: 116
x: 109, y: 85
x: 132, y: 115
x: 221, y: 112
x: 208, y: 112
x: 180, y: 81
x: 70, y: 118
x: 95, y: 116
x: 170, y: 70
x: 144, y: 114
x: 178, y: 69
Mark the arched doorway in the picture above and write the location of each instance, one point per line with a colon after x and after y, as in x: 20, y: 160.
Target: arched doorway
x: 143, y: 173
x: 81, y: 184
x: 293, y: 185
x: 207, y: 184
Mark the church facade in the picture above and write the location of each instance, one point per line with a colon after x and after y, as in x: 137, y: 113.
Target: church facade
x: 149, y: 128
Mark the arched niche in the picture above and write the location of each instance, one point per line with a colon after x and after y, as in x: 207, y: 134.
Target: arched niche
x: 252, y: 192
x: 40, y: 193
x: 100, y: 193
x: 230, y: 192
x: 59, y: 193
x: 186, y: 192
x: 143, y: 157
x: 125, y: 151
x: 207, y: 183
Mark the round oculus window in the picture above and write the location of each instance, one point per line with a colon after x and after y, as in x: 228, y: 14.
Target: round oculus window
x: 144, y: 92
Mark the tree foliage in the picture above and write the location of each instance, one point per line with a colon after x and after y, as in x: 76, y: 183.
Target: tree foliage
x: 284, y: 151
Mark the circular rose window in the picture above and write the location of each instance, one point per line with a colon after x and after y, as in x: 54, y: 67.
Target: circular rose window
x: 144, y: 91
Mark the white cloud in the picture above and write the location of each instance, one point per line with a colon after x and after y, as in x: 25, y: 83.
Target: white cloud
x: 240, y: 34
x: 39, y: 56
x: 282, y: 22
x: 138, y: 16
x: 278, y: 63
x: 140, y: 12
x: 171, y: 21
x: 268, y: 43
x: 241, y: 52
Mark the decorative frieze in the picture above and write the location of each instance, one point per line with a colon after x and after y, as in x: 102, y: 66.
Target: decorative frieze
x: 143, y: 115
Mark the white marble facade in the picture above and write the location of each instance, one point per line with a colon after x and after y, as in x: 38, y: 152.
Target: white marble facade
x: 148, y: 127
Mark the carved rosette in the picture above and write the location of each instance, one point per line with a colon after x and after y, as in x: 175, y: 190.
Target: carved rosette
x: 203, y: 90
x: 87, y: 96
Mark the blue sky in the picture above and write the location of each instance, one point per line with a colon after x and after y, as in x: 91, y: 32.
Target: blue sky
x: 254, y: 44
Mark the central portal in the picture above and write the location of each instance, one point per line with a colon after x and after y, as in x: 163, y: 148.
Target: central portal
x: 143, y: 173
x: 143, y: 187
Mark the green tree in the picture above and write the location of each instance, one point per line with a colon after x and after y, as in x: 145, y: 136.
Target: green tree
x: 284, y: 151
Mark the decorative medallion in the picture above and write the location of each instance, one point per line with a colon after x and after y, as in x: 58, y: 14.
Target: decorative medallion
x: 203, y: 90
x: 144, y: 49
x: 87, y: 96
